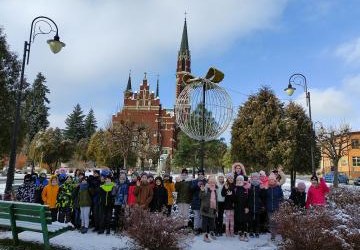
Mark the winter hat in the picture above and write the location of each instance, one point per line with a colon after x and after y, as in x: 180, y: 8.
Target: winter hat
x: 105, y: 173
x: 229, y: 175
x: 159, y: 178
x: 150, y: 176
x: 255, y: 175
x: 314, y: 177
x: 272, y: 176
x: 301, y: 185
x: 166, y: 175
x: 220, y: 175
x: 240, y: 178
x: 27, y: 177
x: 184, y: 171
x: 262, y: 173
x: 201, y: 171
x: 143, y: 173
x: 255, y: 179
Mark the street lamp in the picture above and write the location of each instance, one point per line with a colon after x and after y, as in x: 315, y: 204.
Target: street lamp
x: 290, y: 90
x: 55, y: 46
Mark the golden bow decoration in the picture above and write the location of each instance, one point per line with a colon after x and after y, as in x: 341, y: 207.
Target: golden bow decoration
x: 214, y: 75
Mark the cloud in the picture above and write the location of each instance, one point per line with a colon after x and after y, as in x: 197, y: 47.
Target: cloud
x: 104, y: 39
x: 349, y: 52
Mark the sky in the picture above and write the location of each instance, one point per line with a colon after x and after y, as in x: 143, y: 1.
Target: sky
x: 254, y: 42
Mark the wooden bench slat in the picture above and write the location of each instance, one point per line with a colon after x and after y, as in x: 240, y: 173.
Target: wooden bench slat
x: 21, y: 211
x: 4, y: 216
x: 56, y: 226
x: 31, y: 206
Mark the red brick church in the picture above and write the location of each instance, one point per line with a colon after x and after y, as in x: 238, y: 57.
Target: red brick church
x: 143, y: 107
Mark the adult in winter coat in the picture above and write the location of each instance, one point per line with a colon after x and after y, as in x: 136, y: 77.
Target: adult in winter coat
x: 239, y: 169
x: 228, y: 192
x: 298, y: 195
x: 208, y: 208
x: 143, y: 192
x: 170, y: 188
x: 219, y: 222
x: 316, y: 193
x: 241, y: 208
x: 183, y: 199
x: 49, y: 196
x: 106, y: 204
x: 160, y: 196
x: 121, y: 196
x: 274, y: 195
x: 26, y: 192
x: 195, y: 203
x: 256, y: 203
x: 94, y: 189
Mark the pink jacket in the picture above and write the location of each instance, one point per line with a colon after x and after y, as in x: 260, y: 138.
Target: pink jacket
x: 316, y: 195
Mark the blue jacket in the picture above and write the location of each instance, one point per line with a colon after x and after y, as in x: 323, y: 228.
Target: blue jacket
x: 274, y: 195
x: 195, y: 190
x: 121, y: 193
x: 42, y: 183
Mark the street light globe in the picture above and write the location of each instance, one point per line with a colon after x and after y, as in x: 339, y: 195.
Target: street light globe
x: 290, y: 90
x: 55, y: 44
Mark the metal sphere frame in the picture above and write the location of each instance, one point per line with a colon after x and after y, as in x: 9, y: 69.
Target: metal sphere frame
x: 218, y: 110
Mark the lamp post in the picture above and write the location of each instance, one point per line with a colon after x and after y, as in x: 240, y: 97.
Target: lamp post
x: 290, y: 90
x: 55, y: 46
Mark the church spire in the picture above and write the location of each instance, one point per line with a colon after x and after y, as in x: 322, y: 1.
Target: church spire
x: 157, y: 86
x: 128, y: 87
x: 184, y: 46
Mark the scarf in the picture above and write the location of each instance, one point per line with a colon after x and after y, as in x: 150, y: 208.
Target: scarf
x: 212, y: 197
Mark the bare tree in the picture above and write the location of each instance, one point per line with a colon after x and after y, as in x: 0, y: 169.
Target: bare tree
x: 334, y: 142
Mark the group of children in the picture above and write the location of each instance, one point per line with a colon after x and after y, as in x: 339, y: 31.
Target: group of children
x: 235, y: 204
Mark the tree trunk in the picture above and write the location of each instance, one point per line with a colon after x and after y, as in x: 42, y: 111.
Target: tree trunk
x: 292, y: 177
x: 142, y: 165
x: 124, y: 165
x: 336, y: 173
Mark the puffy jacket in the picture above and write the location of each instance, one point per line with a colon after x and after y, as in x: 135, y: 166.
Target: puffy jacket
x: 195, y: 191
x: 65, y: 197
x: 84, y: 198
x: 241, y: 201
x: 298, y: 197
x: 256, y: 199
x: 170, y: 188
x: 274, y: 195
x: 205, y: 209
x: 229, y: 198
x: 120, y: 193
x: 50, y: 193
x: 144, y: 194
x: 159, y: 199
x: 106, y: 198
x: 316, y: 195
x: 131, y: 194
x: 26, y: 193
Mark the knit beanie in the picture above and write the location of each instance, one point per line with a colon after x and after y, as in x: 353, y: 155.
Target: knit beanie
x: 301, y: 185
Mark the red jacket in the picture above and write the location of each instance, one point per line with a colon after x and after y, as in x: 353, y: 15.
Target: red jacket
x: 131, y: 195
x: 316, y: 195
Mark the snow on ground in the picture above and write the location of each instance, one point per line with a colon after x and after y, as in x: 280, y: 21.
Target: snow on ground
x: 93, y: 241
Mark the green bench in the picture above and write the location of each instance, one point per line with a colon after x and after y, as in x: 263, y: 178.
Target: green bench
x: 20, y: 216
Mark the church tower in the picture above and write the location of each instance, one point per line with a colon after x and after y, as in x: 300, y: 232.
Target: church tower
x: 183, y: 61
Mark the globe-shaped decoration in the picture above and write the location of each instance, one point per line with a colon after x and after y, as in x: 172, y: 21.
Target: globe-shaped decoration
x: 203, y: 110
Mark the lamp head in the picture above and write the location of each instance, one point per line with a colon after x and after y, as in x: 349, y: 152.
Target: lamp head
x: 290, y: 90
x: 55, y: 44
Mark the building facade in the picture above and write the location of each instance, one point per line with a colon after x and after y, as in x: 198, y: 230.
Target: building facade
x: 143, y: 107
x: 349, y: 164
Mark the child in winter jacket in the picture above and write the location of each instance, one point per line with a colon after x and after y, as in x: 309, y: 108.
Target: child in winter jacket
x: 241, y: 208
x: 121, y: 197
x: 208, y: 208
x: 26, y: 192
x: 40, y: 183
x: 274, y: 195
x: 106, y: 204
x: 220, y: 204
x: 84, y: 200
x: 316, y: 193
x: 170, y: 188
x: 195, y: 203
x: 160, y: 196
x: 143, y: 192
x: 49, y: 195
x: 298, y: 195
x: 131, y: 192
x: 256, y: 203
x: 65, y: 200
x: 228, y: 192
x: 183, y: 199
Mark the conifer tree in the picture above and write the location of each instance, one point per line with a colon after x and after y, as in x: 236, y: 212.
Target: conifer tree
x: 90, y: 124
x: 75, y: 128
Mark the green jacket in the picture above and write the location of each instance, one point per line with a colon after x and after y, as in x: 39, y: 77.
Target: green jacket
x: 183, y: 189
x: 205, y: 209
x: 84, y: 195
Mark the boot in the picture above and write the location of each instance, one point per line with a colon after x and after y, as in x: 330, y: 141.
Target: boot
x: 246, y: 237
x: 241, y: 236
x: 206, y: 238
x: 212, y: 235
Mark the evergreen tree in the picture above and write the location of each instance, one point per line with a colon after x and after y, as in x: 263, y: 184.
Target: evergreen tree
x: 75, y: 128
x: 9, y: 78
x: 257, y: 130
x: 37, y: 109
x: 90, y: 124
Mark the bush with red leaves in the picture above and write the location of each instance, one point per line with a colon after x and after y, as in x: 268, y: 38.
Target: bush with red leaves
x: 155, y: 231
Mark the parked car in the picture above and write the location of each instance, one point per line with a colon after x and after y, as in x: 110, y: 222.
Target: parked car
x: 357, y: 181
x: 329, y: 177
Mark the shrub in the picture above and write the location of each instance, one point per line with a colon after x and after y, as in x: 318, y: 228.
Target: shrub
x: 155, y: 231
x: 336, y: 226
